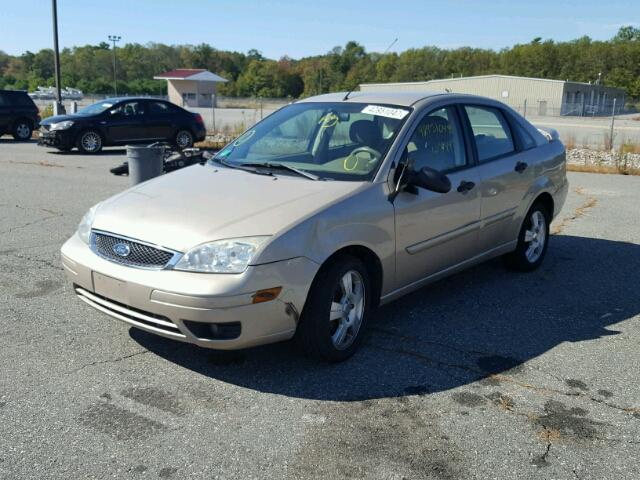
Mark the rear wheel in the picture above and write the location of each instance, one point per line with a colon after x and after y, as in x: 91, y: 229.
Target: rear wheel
x: 334, y: 317
x: 184, y: 139
x: 532, y: 240
x: 22, y: 130
x: 90, y: 142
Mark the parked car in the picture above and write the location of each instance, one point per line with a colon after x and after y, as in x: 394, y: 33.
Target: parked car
x: 19, y: 116
x: 316, y: 215
x: 121, y: 121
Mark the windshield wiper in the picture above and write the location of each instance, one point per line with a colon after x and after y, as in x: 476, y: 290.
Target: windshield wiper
x: 282, y: 166
x: 241, y: 166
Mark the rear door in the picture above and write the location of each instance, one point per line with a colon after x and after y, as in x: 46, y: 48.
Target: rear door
x: 126, y: 122
x: 435, y: 231
x: 161, y: 120
x: 504, y: 170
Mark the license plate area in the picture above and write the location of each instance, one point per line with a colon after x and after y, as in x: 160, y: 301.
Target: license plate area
x: 110, y: 287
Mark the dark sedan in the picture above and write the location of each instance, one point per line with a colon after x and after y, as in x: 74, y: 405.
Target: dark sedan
x: 120, y: 121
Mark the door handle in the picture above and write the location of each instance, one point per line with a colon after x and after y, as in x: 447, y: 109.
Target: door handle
x: 521, y: 167
x: 465, y: 186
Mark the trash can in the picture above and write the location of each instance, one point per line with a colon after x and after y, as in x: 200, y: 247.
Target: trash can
x: 145, y: 162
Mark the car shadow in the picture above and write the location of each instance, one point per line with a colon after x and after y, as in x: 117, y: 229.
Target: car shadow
x: 9, y: 139
x: 468, y: 327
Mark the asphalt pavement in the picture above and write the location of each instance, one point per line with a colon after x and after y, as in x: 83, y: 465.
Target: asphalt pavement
x: 487, y: 374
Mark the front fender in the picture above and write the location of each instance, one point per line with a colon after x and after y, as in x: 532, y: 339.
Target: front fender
x: 365, y: 219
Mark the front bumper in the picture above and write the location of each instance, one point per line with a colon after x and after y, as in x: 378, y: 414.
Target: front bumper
x: 56, y: 138
x: 178, y: 305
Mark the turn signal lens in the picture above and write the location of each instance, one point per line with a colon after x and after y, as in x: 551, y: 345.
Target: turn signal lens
x: 266, y: 295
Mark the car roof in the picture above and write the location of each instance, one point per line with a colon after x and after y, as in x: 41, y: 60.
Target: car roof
x: 130, y: 99
x: 405, y: 99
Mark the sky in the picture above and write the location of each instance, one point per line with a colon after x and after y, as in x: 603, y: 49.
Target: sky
x: 307, y: 27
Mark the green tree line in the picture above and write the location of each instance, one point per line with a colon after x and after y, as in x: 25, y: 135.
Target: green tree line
x: 90, y: 67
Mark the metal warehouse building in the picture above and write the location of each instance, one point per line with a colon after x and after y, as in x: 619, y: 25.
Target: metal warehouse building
x: 535, y: 96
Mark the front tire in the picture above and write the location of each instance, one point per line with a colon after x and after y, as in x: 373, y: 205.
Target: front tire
x: 90, y: 142
x: 533, y: 240
x: 22, y: 130
x: 184, y: 139
x: 337, y: 309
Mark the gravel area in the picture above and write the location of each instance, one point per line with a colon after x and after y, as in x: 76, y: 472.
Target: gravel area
x: 588, y: 157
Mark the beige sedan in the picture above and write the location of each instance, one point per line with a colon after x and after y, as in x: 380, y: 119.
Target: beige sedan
x: 316, y: 215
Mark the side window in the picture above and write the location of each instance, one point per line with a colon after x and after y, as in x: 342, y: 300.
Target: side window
x: 22, y: 100
x: 4, y: 101
x: 129, y: 109
x: 158, y: 107
x: 526, y: 140
x: 437, y: 142
x: 490, y: 131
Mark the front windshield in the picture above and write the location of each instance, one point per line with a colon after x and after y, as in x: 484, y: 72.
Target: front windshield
x: 339, y: 141
x: 95, y: 108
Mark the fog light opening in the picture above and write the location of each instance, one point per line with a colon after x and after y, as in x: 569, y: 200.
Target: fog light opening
x: 266, y: 295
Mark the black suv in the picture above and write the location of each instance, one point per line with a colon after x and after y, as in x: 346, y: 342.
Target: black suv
x: 120, y: 121
x: 19, y: 116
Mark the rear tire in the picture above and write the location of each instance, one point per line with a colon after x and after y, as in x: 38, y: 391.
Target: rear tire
x: 184, y: 139
x: 336, y: 312
x: 90, y: 142
x: 533, y: 240
x: 22, y: 130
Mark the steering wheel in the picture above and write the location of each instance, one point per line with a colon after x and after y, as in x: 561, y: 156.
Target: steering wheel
x: 350, y: 164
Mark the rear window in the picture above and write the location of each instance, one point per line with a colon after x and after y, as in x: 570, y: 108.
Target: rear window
x: 20, y: 99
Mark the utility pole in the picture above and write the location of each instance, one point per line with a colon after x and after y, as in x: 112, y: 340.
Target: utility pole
x: 613, y: 119
x: 114, y: 39
x: 59, y: 108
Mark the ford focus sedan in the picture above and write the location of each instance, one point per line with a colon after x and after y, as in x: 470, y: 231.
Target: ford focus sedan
x: 316, y: 215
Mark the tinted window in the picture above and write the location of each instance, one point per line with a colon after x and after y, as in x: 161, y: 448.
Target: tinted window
x: 3, y: 100
x: 491, y: 132
x: 21, y: 99
x: 437, y: 142
x: 129, y: 109
x: 158, y: 107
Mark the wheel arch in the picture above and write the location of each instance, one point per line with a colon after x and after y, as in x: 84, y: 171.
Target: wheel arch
x: 22, y: 118
x: 369, y: 258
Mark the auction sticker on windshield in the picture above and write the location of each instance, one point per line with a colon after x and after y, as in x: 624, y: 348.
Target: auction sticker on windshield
x: 388, y: 112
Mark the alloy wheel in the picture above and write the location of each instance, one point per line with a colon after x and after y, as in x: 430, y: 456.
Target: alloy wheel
x: 535, y: 236
x: 91, y: 142
x: 184, y: 139
x: 23, y: 131
x: 347, y: 309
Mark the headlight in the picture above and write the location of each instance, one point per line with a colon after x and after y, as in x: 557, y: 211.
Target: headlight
x: 61, y: 125
x: 222, y: 256
x: 84, y: 228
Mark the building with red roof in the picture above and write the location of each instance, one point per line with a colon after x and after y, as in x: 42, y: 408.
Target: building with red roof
x: 191, y: 87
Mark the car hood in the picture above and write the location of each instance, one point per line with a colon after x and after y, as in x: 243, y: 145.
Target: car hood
x: 60, y: 118
x: 199, y: 204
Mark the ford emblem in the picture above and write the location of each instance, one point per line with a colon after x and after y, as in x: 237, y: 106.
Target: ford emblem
x: 121, y: 249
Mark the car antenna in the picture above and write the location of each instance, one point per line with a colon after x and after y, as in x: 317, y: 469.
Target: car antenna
x: 383, y: 54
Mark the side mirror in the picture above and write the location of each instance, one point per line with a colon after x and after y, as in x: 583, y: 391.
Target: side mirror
x: 429, y: 179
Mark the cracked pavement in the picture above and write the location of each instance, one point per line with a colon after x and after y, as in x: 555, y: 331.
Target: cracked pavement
x: 486, y: 374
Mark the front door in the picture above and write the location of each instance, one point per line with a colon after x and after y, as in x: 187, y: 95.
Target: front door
x: 126, y: 123
x: 505, y: 174
x: 436, y: 231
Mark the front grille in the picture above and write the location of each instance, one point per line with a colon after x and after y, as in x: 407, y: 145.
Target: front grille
x: 139, y: 254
